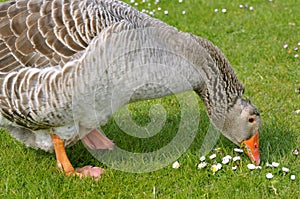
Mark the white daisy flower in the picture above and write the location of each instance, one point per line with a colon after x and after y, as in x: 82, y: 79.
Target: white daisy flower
x: 234, y: 168
x: 292, y: 23
x: 224, y: 10
x: 251, y: 166
x: 225, y: 160
x: 213, y: 156
x: 219, y: 166
x: 269, y: 175
x: 214, y: 168
x: 284, y: 169
x: 275, y: 164
x: 236, y: 158
x: 166, y: 12
x: 238, y: 150
x: 202, y: 165
x: 293, y: 177
x: 176, y: 165
x: 202, y: 158
x: 228, y: 157
x: 269, y: 165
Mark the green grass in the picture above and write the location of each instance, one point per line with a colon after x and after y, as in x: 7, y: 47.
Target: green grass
x: 252, y: 41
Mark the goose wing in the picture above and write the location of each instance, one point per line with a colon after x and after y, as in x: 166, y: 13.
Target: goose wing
x: 42, y: 33
x: 121, y: 54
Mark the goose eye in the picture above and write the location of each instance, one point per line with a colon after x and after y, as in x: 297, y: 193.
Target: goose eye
x: 251, y: 120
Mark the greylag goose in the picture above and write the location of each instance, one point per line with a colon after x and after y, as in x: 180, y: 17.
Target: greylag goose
x: 62, y: 60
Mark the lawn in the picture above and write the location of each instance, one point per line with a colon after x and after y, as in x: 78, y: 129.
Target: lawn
x: 252, y: 40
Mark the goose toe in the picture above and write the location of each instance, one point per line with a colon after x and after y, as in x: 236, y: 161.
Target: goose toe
x: 90, y: 171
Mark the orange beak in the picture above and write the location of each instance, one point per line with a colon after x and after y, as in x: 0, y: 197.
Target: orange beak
x: 251, y: 148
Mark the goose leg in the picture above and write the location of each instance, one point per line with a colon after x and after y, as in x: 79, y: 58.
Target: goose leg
x: 64, y: 163
x: 62, y: 159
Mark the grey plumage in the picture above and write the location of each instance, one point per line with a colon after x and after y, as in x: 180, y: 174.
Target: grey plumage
x: 61, y: 60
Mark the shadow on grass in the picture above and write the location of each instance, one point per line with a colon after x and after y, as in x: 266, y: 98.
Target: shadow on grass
x: 277, y: 140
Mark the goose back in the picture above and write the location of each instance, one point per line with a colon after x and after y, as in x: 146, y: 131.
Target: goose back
x: 50, y: 35
x: 42, y: 33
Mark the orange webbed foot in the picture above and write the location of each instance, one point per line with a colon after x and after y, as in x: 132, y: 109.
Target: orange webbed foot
x: 65, y: 165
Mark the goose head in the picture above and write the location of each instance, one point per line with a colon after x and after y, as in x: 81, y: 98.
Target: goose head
x: 241, y: 126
